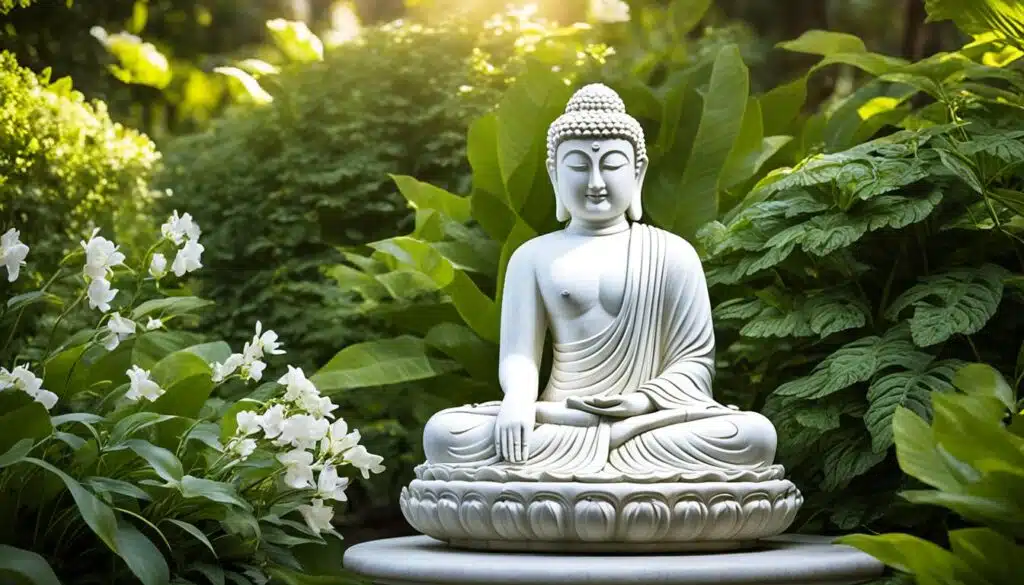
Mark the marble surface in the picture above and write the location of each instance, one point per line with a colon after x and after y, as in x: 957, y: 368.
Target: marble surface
x: 783, y: 560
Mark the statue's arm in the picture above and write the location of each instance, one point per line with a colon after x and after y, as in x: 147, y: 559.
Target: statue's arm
x: 688, y: 335
x: 523, y: 328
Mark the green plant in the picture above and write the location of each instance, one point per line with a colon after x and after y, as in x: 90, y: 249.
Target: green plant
x: 133, y: 452
x: 856, y: 281
x: 972, y: 453
x: 65, y: 167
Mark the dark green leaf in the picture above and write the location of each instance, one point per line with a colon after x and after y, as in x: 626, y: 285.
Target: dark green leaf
x: 26, y: 564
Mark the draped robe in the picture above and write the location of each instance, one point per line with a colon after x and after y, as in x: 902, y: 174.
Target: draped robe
x: 661, y: 343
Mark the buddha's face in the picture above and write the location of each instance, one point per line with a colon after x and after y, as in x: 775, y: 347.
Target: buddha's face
x: 595, y: 180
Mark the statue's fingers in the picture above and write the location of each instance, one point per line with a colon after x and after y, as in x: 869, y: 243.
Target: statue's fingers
x: 503, y: 442
x: 517, y: 442
x: 527, y: 431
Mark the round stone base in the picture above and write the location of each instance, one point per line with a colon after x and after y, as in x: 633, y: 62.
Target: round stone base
x: 597, y: 517
x: 782, y: 560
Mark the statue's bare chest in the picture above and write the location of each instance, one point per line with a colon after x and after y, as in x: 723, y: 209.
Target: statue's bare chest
x: 584, y: 280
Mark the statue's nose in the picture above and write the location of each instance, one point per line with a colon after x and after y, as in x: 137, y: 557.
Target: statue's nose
x: 596, y: 185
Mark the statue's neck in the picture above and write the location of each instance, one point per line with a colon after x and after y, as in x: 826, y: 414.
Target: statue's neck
x: 584, y: 227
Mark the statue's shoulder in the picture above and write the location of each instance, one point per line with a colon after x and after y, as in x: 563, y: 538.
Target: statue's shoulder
x: 528, y: 252
x: 677, y: 248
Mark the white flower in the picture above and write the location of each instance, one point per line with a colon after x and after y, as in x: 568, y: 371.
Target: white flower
x: 297, y: 386
x: 242, y: 447
x: 177, y: 228
x: 12, y: 253
x: 248, y: 422
x: 338, y: 439
x: 23, y: 379
x: 187, y: 258
x: 329, y: 486
x: 153, y: 324
x: 253, y: 370
x: 141, y: 386
x: 365, y: 461
x: 318, y: 516
x: 318, y: 406
x: 302, y: 431
x: 223, y: 370
x: 100, y: 294
x: 158, y: 266
x: 263, y: 342
x: 298, y: 471
x: 101, y: 256
x: 272, y: 420
x: 120, y: 328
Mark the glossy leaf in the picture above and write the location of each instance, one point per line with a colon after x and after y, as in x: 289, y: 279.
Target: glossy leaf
x: 380, y: 363
x: 194, y: 532
x: 26, y: 565
x: 142, y: 556
x: 96, y: 514
x: 216, y: 491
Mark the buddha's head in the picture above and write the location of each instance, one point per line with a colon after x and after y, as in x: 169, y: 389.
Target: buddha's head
x: 596, y: 158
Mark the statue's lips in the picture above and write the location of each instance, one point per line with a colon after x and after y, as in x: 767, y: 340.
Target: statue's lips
x: 597, y: 198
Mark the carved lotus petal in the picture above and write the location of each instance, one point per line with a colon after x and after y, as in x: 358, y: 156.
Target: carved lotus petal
x: 595, y: 519
x: 510, y: 520
x: 475, y: 516
x: 547, y: 518
x: 689, y: 516
x: 424, y: 516
x: 448, y: 514
x: 757, y: 511
x: 725, y: 518
x: 645, y: 520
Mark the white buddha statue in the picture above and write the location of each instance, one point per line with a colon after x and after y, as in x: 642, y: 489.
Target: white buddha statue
x: 628, y: 400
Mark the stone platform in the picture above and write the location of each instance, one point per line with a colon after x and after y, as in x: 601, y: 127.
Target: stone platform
x: 782, y: 560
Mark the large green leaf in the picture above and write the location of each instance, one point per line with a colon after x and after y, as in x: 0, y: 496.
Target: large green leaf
x: 848, y: 454
x: 686, y: 15
x: 909, y: 389
x: 426, y: 196
x: 215, y: 491
x: 720, y: 124
x: 478, y: 357
x: 989, y: 553
x: 855, y: 362
x: 476, y: 308
x: 25, y: 421
x: 930, y: 563
x: 984, y: 380
x: 960, y: 301
x: 142, y: 556
x: 97, y: 515
x: 918, y: 454
x: 1005, y: 18
x: 18, y: 564
x: 169, y: 307
x: 163, y: 462
x: 380, y: 363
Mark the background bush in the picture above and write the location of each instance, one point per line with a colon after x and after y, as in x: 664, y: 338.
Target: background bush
x: 65, y: 167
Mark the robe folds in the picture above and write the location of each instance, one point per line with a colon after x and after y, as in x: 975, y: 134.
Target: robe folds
x: 662, y: 344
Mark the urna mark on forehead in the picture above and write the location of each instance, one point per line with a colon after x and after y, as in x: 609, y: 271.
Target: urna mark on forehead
x: 595, y: 113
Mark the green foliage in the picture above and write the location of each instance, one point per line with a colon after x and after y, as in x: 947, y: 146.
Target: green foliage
x: 854, y: 283
x: 65, y: 167
x: 132, y: 451
x: 972, y: 453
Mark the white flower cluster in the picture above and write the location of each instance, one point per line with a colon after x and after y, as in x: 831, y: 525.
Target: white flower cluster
x: 101, y: 256
x: 311, y: 447
x: 22, y: 379
x: 141, y: 386
x: 12, y: 253
x: 184, y: 232
x: 249, y: 363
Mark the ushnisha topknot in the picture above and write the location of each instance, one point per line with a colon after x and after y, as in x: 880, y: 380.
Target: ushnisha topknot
x: 596, y: 111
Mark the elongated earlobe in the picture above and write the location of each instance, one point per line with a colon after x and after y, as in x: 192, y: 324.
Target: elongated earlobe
x: 636, y: 208
x: 561, y: 212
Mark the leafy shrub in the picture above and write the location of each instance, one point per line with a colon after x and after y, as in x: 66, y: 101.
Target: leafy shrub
x: 284, y: 183
x: 64, y: 168
x: 123, y: 457
x: 857, y: 281
x: 974, y: 459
